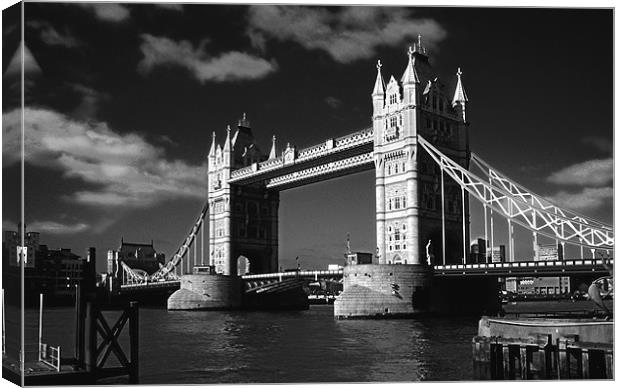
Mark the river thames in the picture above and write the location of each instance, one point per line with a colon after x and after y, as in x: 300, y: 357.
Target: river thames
x: 207, y: 347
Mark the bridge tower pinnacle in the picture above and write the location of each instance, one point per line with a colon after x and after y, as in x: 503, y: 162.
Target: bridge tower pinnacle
x: 460, y: 98
x: 378, y: 92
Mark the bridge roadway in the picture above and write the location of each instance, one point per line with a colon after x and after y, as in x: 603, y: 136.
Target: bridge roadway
x: 516, y: 268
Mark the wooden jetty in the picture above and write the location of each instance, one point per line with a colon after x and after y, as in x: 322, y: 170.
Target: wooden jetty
x: 537, y: 349
x: 97, y: 337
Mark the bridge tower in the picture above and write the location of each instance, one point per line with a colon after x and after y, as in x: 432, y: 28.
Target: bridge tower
x: 243, y: 220
x: 408, y: 183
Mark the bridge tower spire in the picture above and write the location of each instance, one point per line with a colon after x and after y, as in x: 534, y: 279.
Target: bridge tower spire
x: 378, y: 92
x: 272, y: 153
x: 460, y: 98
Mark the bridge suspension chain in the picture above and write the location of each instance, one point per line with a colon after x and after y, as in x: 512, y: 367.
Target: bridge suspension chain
x: 524, y: 208
x: 167, y: 272
x: 527, y: 195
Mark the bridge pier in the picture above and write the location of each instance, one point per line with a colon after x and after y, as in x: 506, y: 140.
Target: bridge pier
x: 206, y: 291
x: 383, y: 291
x: 402, y: 290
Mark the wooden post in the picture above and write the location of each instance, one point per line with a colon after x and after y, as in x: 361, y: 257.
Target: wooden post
x: 547, y: 360
x: 497, y: 372
x: 506, y: 361
x: 609, y: 365
x: 525, y: 367
x: 78, y: 326
x: 40, y: 326
x: 134, y: 342
x: 585, y: 364
x: 3, y: 326
x: 562, y: 360
x: 90, y: 345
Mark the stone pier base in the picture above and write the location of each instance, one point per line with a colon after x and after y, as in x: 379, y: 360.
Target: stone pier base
x: 383, y: 291
x: 207, y: 292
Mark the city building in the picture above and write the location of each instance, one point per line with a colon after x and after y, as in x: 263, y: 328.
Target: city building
x: 478, y: 251
x: 543, y: 252
x: 551, y: 285
x: 498, y: 254
x: 62, y: 270
x: 52, y: 272
x: 355, y: 258
x: 136, y: 256
x: 12, y: 241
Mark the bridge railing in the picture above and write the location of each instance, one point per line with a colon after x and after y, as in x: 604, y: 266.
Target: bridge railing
x: 287, y: 274
x: 527, y: 264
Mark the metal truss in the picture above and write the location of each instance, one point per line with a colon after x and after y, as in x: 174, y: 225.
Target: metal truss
x: 515, y: 189
x: 522, y: 207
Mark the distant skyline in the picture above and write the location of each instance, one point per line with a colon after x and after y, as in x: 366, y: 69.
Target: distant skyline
x: 122, y: 100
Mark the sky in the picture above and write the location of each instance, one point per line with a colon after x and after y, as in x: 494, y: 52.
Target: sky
x: 121, y: 101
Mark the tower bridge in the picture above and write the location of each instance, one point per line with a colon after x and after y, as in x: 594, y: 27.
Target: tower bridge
x: 425, y: 176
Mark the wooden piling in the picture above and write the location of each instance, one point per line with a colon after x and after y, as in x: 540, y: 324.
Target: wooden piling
x: 134, y: 343
x: 539, y: 358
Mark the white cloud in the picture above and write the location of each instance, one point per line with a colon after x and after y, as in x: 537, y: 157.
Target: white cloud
x: 108, y: 12
x: 53, y: 227
x: 333, y: 102
x: 170, y: 6
x: 346, y: 33
x: 89, y: 103
x: 50, y: 36
x: 229, y: 66
x: 597, y: 172
x: 127, y: 170
x: 589, y: 198
x: 599, y: 143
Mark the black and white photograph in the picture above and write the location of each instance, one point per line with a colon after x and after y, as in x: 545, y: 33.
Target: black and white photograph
x: 204, y: 193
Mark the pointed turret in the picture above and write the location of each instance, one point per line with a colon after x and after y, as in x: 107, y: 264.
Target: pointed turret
x: 212, y: 149
x: 378, y: 93
x: 244, y: 122
x: 272, y: 153
x: 460, y: 98
x: 410, y: 76
x: 418, y: 48
x: 379, y: 89
x: 227, y: 143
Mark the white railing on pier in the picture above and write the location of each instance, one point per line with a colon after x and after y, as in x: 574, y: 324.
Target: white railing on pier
x: 50, y: 355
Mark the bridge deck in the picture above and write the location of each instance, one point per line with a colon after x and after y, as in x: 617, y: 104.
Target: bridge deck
x: 517, y: 268
x: 525, y: 268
